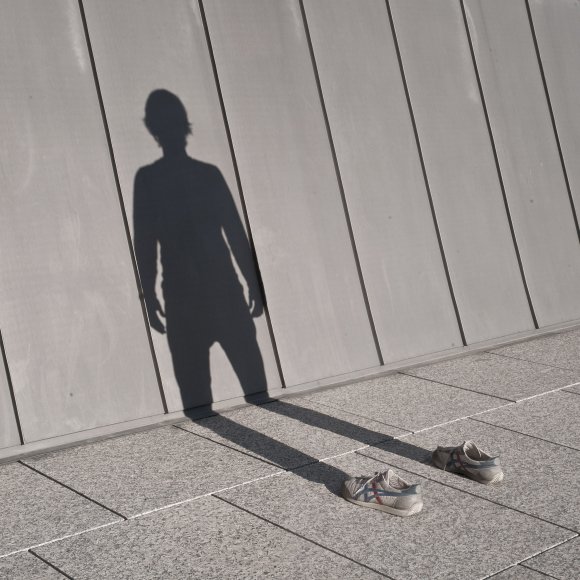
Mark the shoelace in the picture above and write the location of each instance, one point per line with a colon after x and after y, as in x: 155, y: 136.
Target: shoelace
x: 374, y: 477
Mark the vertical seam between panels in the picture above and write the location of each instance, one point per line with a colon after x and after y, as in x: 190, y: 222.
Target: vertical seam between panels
x: 425, y: 178
x: 341, y: 187
x: 11, y: 390
x: 552, y: 118
x: 498, y: 167
x: 121, y: 204
x: 241, y: 194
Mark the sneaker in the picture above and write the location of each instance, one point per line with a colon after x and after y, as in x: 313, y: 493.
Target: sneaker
x: 470, y: 461
x: 384, y: 491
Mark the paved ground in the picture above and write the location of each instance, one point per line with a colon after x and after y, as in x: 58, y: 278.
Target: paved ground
x: 252, y: 493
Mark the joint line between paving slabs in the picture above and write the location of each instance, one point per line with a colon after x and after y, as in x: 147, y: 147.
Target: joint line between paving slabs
x: 527, y: 435
x: 206, y: 438
x: 50, y: 564
x: 530, y: 361
x: 73, y: 490
x: 453, y: 421
x: 335, y: 408
x: 61, y: 538
x: 495, y: 574
x: 538, y: 572
x: 547, y: 392
x: 302, y: 537
x: 209, y: 493
x: 454, y: 386
x: 522, y: 562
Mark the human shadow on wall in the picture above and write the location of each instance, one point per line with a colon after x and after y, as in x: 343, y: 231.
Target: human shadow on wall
x: 184, y: 208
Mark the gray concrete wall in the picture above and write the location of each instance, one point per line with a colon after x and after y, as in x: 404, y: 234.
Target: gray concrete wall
x: 366, y: 182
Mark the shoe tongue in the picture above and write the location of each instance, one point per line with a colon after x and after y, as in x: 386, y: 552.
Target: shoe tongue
x: 392, y: 480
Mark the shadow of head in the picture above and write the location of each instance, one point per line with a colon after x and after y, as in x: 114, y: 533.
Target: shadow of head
x: 166, y: 119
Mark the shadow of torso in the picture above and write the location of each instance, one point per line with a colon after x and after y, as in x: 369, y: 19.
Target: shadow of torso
x: 184, y: 206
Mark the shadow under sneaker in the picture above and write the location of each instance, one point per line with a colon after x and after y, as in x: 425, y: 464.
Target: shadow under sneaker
x: 384, y: 491
x: 470, y: 461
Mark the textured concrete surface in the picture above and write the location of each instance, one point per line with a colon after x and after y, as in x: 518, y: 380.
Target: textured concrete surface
x: 563, y: 561
x: 436, y: 543
x: 293, y: 432
x: 149, y: 470
x: 499, y: 376
x: 559, y: 350
x: 34, y: 509
x: 207, y: 538
x: 26, y: 566
x: 553, y: 417
x: 574, y: 389
x: 541, y: 478
x: 406, y: 402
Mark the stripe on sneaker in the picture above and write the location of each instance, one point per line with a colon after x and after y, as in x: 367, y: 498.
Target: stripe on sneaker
x: 375, y: 491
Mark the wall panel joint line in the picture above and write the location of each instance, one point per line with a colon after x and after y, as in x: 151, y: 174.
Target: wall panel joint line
x: 11, y: 390
x: 425, y: 178
x: 241, y: 192
x: 498, y: 166
x: 552, y: 118
x: 122, y: 205
x: 341, y: 188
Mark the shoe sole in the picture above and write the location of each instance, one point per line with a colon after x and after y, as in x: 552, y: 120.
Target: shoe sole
x: 414, y: 509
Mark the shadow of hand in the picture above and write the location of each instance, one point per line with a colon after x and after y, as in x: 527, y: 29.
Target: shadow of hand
x: 256, y: 307
x: 154, y: 309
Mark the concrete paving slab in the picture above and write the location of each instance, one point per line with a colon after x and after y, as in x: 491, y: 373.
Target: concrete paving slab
x: 553, y: 417
x: 206, y: 538
x: 559, y: 350
x: 293, y: 432
x: 541, y: 478
x: 406, y: 402
x: 27, y: 567
x: 519, y: 573
x: 149, y: 470
x: 563, y: 561
x: 439, y: 542
x: 499, y: 376
x: 34, y: 510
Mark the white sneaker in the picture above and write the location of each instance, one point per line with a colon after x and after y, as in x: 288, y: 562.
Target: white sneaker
x: 384, y: 491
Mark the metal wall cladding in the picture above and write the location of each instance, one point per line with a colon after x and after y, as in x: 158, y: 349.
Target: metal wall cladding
x: 461, y: 169
x: 556, y: 26
x: 72, y: 324
x: 290, y: 185
x: 528, y: 156
x: 376, y: 183
x: 167, y: 49
x: 383, y: 181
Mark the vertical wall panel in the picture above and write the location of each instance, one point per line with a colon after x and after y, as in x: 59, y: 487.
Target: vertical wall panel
x: 461, y: 169
x: 289, y: 181
x: 528, y: 156
x: 557, y: 27
x: 8, y: 428
x: 382, y: 177
x: 71, y: 320
x: 167, y: 49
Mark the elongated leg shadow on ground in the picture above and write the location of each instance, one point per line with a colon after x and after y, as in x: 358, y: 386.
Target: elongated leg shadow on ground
x: 287, y: 457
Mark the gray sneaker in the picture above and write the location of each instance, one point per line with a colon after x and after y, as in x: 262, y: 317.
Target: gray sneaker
x: 470, y: 461
x: 384, y: 491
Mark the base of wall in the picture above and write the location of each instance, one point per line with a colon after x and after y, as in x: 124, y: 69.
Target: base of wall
x: 15, y: 453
